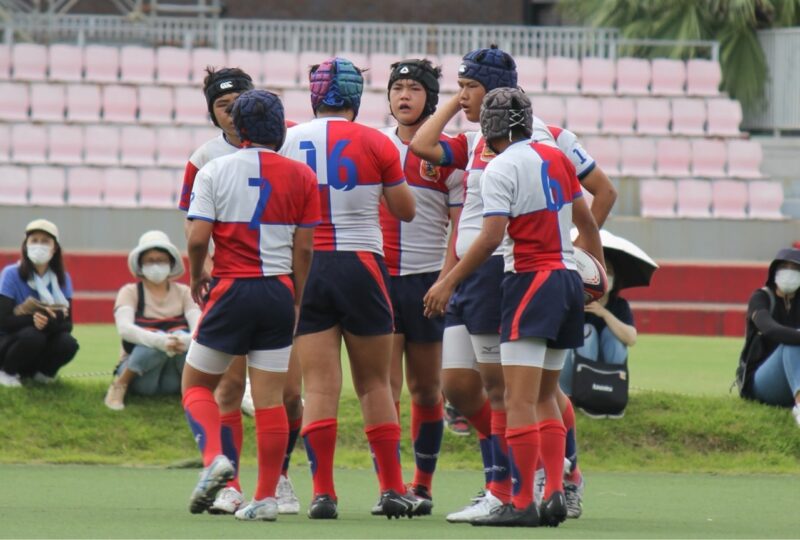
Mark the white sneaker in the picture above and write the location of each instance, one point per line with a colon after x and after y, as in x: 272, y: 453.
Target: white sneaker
x: 573, y: 493
x: 263, y: 510
x: 115, y: 396
x: 42, y: 378
x: 212, y: 479
x: 8, y: 380
x: 248, y: 407
x: 481, y: 506
x: 228, y: 501
x: 539, y: 481
x: 796, y: 413
x: 288, y: 503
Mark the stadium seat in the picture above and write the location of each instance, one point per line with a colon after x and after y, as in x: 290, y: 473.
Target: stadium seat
x: 708, y: 158
x: 14, y: 185
x: 673, y: 157
x: 14, y: 101
x: 190, y: 106
x: 28, y: 143
x: 297, y: 105
x: 703, y: 77
x: 66, y: 62
x: 598, y: 76
x: 47, y: 102
x: 102, y: 63
x: 530, y: 73
x: 450, y: 65
x: 83, y: 103
x: 137, y: 146
x: 120, y: 187
x: 694, y: 198
x: 688, y: 116
x: 729, y: 199
x: 202, y: 135
x: 724, y: 117
x: 29, y: 61
x: 374, y: 109
x: 617, y: 115
x: 203, y: 57
x: 5, y: 143
x: 606, y: 153
x: 562, y: 75
x: 156, y: 188
x: 5, y: 62
x: 119, y: 104
x: 744, y: 159
x: 549, y: 108
x: 174, y: 146
x: 633, y: 77
x: 137, y: 64
x: 65, y: 144
x: 669, y: 77
x: 657, y: 198
x: 583, y: 115
x: 47, y: 186
x: 765, y: 198
x: 380, y: 69
x: 281, y: 68
x: 652, y: 116
x: 156, y: 104
x: 85, y: 186
x: 638, y: 156
x: 101, y: 145
x: 248, y: 61
x: 173, y: 65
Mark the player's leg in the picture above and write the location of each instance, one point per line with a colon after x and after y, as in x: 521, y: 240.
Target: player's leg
x: 288, y: 503
x: 552, y: 435
x: 573, y: 477
x: 396, y: 369
x: 229, y: 395
x: 487, y: 349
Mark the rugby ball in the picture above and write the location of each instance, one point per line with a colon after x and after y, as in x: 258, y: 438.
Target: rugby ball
x: 593, y: 275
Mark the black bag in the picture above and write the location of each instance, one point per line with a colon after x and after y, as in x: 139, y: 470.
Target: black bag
x: 752, y: 353
x: 600, y: 388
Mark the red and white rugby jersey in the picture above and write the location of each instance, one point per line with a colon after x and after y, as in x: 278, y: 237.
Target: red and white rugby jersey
x: 353, y: 163
x: 255, y: 199
x: 534, y: 184
x: 419, y: 246
x: 211, y: 149
x: 568, y: 143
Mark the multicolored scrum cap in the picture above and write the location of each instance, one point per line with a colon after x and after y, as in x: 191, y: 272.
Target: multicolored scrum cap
x: 225, y: 81
x: 425, y: 74
x: 336, y: 83
x: 491, y: 67
x: 258, y: 118
x: 504, y: 109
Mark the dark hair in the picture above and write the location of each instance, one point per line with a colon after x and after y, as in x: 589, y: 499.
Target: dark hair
x: 56, y: 264
x: 167, y: 253
x: 330, y: 109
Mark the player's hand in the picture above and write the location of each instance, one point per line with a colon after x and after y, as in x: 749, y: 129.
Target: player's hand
x: 200, y: 287
x: 40, y: 320
x: 436, y: 299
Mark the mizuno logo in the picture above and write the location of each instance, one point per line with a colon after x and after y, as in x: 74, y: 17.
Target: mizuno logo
x: 493, y: 349
x: 225, y: 85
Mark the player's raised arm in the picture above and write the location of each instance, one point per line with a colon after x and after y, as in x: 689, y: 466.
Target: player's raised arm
x: 588, y: 231
x: 425, y: 142
x: 604, y: 192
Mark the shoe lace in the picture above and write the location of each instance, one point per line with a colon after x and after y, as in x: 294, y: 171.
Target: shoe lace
x: 481, y: 496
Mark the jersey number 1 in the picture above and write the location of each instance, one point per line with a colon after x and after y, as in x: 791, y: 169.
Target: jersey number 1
x: 336, y: 162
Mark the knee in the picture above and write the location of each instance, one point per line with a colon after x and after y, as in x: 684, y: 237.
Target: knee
x: 229, y: 393
x: 293, y: 404
x: 425, y: 392
x: 32, y: 338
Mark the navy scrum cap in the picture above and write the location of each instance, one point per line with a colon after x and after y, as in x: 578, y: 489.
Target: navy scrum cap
x: 225, y: 81
x: 258, y: 118
x: 491, y: 67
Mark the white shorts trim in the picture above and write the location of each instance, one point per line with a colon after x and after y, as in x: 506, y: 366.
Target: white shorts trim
x: 274, y: 360
x: 208, y: 360
x: 532, y: 352
x: 457, y: 350
x: 486, y: 347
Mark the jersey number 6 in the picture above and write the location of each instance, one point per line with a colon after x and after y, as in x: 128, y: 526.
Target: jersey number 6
x: 337, y: 164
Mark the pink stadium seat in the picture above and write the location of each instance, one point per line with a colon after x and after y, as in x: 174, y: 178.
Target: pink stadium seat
x: 190, y: 106
x: 120, y: 187
x: 156, y: 104
x: 673, y: 157
x: 137, y: 146
x: 702, y: 77
x: 669, y: 77
x: 729, y: 199
x: 549, y: 108
x: 174, y: 146
x: 85, y: 186
x: 14, y: 101
x: 724, y: 117
x: 450, y: 65
x: 380, y: 68
x: 47, y: 102
x: 5, y: 143
x: 531, y: 73
x: 248, y: 61
x: 657, y: 198
x: 304, y: 63
x: 765, y: 198
x: 137, y: 64
x: 47, y: 186
x: 652, y: 116
x: 5, y: 62
x: 281, y: 69
x: 119, y: 103
x: 203, y: 57
x: 583, y: 115
x: 606, y: 153
x: 563, y: 75
x: 688, y: 116
x: 14, y: 185
x: 598, y: 76
x: 29, y: 143
x: 744, y: 159
x: 633, y: 76
x: 101, y: 145
x: 173, y: 65
x: 638, y: 156
x: 202, y: 135
x: 617, y: 115
x: 297, y: 105
x: 102, y: 63
x: 708, y: 158
x: 156, y: 188
x: 65, y: 144
x: 66, y: 62
x: 29, y: 61
x: 694, y: 198
x: 374, y: 109
x: 83, y: 103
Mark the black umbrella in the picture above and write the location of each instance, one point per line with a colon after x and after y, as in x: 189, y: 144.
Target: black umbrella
x: 632, y: 266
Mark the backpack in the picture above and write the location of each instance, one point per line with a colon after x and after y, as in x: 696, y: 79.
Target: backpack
x: 599, y: 388
x: 752, y: 353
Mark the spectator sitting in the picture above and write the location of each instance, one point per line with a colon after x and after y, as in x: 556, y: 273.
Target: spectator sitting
x: 36, y: 310
x: 154, y: 318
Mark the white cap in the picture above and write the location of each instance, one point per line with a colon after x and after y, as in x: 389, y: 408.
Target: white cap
x: 155, y: 240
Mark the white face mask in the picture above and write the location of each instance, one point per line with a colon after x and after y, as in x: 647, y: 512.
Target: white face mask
x: 787, y: 280
x: 156, y: 273
x: 39, y: 253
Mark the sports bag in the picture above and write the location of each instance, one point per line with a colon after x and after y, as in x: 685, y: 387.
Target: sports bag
x: 599, y: 388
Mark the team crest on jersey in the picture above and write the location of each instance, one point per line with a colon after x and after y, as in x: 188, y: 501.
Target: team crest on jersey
x: 429, y: 171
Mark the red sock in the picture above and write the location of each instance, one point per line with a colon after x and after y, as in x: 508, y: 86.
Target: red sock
x: 232, y: 437
x: 571, y: 452
x: 427, y: 430
x: 523, y: 444
x: 482, y: 420
x: 272, y: 434
x: 320, y: 441
x: 202, y: 413
x: 294, y: 431
x: 500, y: 485
x: 553, y: 440
x: 384, y: 439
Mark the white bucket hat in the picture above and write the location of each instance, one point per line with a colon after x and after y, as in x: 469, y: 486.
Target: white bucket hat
x: 155, y: 240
